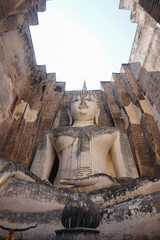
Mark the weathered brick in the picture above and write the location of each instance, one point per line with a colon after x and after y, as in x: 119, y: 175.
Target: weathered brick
x: 141, y: 154
x: 152, y: 138
x: 115, y: 111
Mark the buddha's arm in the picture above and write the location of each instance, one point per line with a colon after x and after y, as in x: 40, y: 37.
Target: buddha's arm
x: 44, y: 157
x: 122, y: 157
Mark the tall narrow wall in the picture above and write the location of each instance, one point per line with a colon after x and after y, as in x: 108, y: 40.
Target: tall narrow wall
x: 132, y: 112
x: 145, y: 52
x: 29, y: 97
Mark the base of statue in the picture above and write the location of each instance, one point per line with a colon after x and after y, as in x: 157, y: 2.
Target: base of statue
x: 78, y: 233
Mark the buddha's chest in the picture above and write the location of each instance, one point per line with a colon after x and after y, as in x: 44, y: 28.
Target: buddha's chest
x: 82, y: 151
x: 83, y: 154
x: 81, y: 140
x: 78, y: 144
x: 81, y: 157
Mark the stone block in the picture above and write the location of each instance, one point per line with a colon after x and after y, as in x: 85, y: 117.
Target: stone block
x: 134, y: 113
x: 116, y: 115
x: 143, y: 159
x: 152, y: 138
x: 133, y: 220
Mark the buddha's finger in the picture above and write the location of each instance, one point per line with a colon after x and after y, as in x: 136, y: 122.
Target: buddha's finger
x: 103, y: 179
x: 79, y: 182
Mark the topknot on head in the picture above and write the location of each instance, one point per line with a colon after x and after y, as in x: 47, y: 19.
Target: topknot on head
x: 84, y: 85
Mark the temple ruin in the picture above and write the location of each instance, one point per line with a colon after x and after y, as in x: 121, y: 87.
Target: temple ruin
x: 32, y: 102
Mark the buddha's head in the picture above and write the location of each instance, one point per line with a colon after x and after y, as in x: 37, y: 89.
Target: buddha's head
x: 84, y: 107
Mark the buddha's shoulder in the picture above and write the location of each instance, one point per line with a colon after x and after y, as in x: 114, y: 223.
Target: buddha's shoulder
x: 75, y: 131
x: 63, y: 131
x: 101, y: 130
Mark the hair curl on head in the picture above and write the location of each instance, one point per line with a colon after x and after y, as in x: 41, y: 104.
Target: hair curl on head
x: 83, y: 93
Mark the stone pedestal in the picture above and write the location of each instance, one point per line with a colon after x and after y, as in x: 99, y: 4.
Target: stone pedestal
x: 80, y: 219
x: 78, y: 234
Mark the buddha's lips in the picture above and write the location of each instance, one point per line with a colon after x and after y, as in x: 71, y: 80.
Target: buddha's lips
x: 83, y: 111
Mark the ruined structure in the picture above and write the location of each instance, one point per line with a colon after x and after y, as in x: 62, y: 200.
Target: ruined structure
x: 31, y: 102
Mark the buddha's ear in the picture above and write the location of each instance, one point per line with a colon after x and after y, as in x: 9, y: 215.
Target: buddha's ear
x: 70, y: 117
x: 97, y: 115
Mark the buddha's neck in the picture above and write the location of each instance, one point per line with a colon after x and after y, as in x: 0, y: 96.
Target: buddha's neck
x: 83, y: 123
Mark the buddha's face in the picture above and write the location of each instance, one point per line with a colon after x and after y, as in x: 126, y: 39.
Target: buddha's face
x: 84, y: 108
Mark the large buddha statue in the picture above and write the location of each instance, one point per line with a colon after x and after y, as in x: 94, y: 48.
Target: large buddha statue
x: 91, y: 157
x: 85, y: 148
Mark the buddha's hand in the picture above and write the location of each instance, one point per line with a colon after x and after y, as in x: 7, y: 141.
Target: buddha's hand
x: 94, y: 182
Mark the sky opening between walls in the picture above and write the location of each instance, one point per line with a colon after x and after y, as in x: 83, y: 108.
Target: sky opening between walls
x: 83, y: 39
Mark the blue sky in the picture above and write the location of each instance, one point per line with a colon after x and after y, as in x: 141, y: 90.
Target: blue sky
x: 83, y: 39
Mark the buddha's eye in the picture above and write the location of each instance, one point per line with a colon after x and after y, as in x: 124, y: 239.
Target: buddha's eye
x: 89, y: 99
x: 76, y: 100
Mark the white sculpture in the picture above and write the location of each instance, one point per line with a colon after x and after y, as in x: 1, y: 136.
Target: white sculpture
x: 85, y: 148
x: 91, y: 157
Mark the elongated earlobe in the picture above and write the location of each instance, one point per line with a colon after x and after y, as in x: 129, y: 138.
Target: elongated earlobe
x: 97, y: 115
x: 70, y: 117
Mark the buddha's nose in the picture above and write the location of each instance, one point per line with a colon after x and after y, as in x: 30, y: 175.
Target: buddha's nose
x: 83, y: 104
